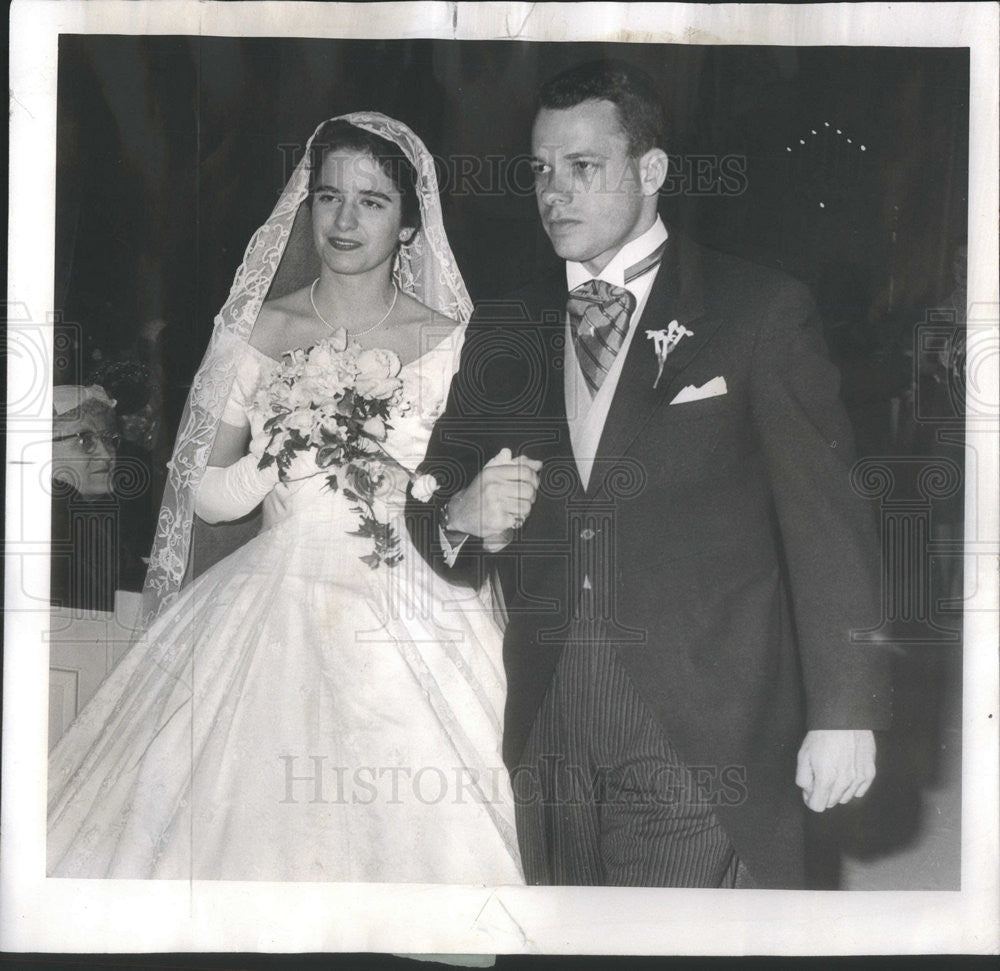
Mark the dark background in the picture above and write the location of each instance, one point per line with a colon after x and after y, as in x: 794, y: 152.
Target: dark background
x: 172, y: 150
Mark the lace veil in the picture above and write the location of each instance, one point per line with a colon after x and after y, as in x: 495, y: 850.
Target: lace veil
x: 279, y: 259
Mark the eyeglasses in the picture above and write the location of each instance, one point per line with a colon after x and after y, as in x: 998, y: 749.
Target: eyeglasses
x: 87, y: 440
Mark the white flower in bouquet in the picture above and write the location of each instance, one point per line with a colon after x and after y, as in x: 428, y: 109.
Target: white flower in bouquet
x: 324, y: 358
x: 374, y: 428
x: 300, y: 420
x: 378, y: 374
x: 424, y: 487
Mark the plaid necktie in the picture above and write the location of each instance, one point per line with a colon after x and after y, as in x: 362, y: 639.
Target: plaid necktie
x: 599, y: 314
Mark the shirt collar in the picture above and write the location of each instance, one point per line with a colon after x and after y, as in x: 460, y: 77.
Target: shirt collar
x: 628, y: 255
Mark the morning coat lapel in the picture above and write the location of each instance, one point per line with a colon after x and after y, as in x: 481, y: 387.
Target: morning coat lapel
x: 546, y: 306
x: 676, y: 294
x: 550, y: 311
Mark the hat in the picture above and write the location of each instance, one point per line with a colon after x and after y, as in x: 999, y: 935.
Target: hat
x: 68, y: 397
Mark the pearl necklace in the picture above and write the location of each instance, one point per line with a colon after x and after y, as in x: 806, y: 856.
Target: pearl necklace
x: 353, y: 333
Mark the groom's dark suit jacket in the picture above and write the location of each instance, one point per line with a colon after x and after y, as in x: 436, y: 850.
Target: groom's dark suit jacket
x: 721, y: 536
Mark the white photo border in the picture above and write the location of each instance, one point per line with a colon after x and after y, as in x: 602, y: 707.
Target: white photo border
x: 39, y: 914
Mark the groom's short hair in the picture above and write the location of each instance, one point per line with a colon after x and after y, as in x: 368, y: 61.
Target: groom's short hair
x: 626, y: 86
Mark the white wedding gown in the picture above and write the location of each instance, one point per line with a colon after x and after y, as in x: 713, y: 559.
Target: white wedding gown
x: 295, y: 715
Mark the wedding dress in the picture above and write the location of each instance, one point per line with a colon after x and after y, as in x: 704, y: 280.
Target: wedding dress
x: 292, y: 714
x: 296, y: 715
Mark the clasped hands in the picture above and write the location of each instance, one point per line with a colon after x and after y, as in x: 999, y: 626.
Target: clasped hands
x: 497, y: 501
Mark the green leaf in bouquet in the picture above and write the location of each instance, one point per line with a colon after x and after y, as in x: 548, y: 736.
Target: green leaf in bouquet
x: 328, y: 455
x: 266, y: 461
x: 366, y: 529
x: 347, y: 403
x: 363, y: 482
x: 387, y: 546
x: 352, y: 425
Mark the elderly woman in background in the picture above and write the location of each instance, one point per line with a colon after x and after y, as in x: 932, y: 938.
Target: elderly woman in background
x: 89, y: 559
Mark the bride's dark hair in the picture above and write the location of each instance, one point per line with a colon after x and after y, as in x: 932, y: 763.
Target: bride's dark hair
x: 340, y: 135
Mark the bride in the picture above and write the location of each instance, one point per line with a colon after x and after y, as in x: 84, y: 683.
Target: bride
x: 291, y: 713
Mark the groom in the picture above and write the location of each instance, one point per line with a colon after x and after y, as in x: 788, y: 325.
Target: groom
x: 646, y: 449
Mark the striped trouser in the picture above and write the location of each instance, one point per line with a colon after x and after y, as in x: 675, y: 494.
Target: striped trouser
x: 602, y: 798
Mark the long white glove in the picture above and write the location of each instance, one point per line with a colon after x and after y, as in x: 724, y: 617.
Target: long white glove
x: 231, y: 492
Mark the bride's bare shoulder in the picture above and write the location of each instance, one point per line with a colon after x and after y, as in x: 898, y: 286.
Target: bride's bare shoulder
x: 419, y: 314
x: 418, y: 329
x: 279, y: 322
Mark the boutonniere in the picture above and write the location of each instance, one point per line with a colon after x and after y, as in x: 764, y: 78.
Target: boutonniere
x: 423, y: 487
x: 664, y: 341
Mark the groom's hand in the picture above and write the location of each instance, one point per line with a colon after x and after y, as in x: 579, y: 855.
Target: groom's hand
x: 498, y: 499
x: 835, y: 767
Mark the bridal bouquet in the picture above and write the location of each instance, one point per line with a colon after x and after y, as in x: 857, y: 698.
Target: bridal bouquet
x: 336, y: 400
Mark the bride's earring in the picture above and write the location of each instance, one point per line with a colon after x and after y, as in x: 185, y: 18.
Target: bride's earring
x: 405, y: 236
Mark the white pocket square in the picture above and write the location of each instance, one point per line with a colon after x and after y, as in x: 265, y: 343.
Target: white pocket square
x: 709, y: 389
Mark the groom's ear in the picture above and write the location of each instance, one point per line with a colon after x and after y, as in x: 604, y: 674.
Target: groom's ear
x: 652, y: 171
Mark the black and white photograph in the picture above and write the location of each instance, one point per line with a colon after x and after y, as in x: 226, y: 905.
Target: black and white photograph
x: 481, y: 475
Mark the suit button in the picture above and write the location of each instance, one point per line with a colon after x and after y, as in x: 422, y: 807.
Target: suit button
x: 587, y: 534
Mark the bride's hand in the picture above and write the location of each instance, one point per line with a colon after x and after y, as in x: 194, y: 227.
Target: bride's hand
x: 303, y: 466
x: 302, y: 470
x: 258, y: 443
x: 281, y: 497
